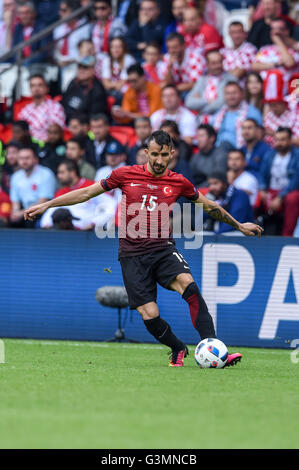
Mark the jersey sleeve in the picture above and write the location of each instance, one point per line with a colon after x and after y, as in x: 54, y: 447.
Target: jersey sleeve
x: 114, y: 180
x: 188, y: 190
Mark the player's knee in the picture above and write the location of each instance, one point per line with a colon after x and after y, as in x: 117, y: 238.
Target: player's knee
x: 182, y: 281
x: 148, y: 311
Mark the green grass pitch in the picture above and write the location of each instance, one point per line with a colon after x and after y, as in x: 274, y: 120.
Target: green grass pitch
x: 107, y: 396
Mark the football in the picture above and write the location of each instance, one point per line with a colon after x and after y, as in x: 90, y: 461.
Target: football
x: 211, y: 353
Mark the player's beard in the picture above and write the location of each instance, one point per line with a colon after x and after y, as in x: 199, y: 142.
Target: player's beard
x: 158, y: 169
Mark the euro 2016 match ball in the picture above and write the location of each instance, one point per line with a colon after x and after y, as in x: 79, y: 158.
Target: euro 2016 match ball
x: 211, y: 353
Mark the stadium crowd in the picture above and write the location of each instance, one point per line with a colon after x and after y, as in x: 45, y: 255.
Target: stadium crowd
x: 226, y: 91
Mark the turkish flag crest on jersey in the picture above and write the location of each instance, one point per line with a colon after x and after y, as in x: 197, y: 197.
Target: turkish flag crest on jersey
x: 167, y: 190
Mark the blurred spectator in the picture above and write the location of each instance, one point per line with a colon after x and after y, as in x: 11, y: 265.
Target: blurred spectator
x: 178, y: 8
x: 171, y: 127
x: 21, y: 134
x: 27, y: 27
x: 238, y: 59
x: 173, y: 110
x: 115, y: 158
x: 228, y: 121
x: 47, y: 10
x: 141, y: 156
x: 149, y: 26
x: 207, y: 95
x: 181, y: 66
x: 86, y: 48
x: 53, y: 152
x: 239, y: 177
x: 43, y: 111
x: 179, y: 165
x: 254, y: 93
x: 32, y: 184
x: 75, y: 150
x: 10, y: 165
x: 233, y: 200
x: 143, y: 129
x: 114, y: 68
x: 5, y: 208
x: 85, y: 94
x: 63, y: 219
x: 106, y: 27
x: 199, y: 36
x: 7, y: 25
x: 79, y: 125
x: 210, y: 158
x: 96, y: 149
x: 153, y: 65
x: 142, y: 98
x: 279, y: 55
x: 86, y: 215
x: 259, y: 35
x: 66, y: 51
x: 279, y: 180
x: 280, y: 116
x: 127, y: 10
x: 254, y: 149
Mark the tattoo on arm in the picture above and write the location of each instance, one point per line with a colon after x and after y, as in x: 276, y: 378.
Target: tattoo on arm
x: 223, y: 216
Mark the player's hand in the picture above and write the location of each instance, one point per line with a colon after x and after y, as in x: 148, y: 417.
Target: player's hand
x: 34, y: 211
x: 250, y: 230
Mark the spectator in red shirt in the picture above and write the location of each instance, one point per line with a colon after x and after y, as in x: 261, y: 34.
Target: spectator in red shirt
x: 197, y: 34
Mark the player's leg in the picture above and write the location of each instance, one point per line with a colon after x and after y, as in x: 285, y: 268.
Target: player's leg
x: 141, y: 288
x: 174, y: 273
x: 161, y: 330
x: 202, y: 321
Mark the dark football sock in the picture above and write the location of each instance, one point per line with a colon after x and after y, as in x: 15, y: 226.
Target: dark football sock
x: 201, y: 319
x: 161, y: 330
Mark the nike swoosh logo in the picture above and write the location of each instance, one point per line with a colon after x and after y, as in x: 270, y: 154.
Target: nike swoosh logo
x: 137, y: 184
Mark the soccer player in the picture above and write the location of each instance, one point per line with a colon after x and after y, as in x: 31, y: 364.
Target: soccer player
x: 146, y: 259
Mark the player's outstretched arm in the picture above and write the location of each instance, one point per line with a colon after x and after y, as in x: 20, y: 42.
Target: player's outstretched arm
x: 69, y: 199
x: 220, y: 214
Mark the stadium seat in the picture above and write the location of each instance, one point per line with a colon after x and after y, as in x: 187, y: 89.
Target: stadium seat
x: 235, y: 15
x: 124, y: 134
x: 19, y: 105
x: 6, y: 133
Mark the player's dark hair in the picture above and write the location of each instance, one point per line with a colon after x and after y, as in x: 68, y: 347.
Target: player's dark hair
x: 177, y: 36
x: 79, y: 141
x: 161, y: 138
x: 22, y: 125
x: 284, y: 129
x: 218, y: 175
x: 235, y: 150
x: 71, y: 166
x: 172, y: 124
x: 136, y: 68
x: 209, y: 130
